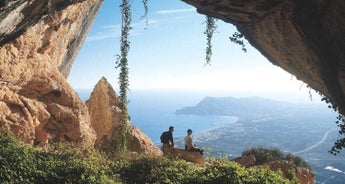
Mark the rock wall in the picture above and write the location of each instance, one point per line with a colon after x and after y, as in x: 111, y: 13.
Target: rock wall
x: 38, y: 42
x: 105, y: 116
x: 305, y: 38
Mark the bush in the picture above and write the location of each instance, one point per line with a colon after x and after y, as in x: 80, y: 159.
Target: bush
x: 68, y: 164
x: 265, y: 175
x: 155, y: 170
x: 264, y: 155
x: 23, y: 164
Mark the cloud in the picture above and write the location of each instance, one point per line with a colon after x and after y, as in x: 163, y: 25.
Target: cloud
x: 175, y: 11
x: 114, y: 31
x: 109, y: 31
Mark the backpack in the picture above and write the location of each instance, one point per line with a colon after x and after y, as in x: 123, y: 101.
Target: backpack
x: 164, y: 137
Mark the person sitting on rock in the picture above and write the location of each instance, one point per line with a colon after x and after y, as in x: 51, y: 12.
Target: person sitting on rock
x: 167, y: 137
x: 189, y: 146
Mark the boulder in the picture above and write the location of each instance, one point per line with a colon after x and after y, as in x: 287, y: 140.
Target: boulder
x: 245, y: 161
x: 140, y: 143
x: 105, y: 114
x: 106, y: 120
x: 176, y: 153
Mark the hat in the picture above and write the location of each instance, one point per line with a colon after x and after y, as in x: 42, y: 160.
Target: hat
x: 171, y: 127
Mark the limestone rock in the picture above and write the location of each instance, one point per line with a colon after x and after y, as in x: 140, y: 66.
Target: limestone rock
x: 246, y: 160
x: 105, y: 113
x: 188, y: 156
x: 139, y: 142
x: 305, y: 38
x: 54, y: 28
x: 105, y: 116
x: 38, y: 42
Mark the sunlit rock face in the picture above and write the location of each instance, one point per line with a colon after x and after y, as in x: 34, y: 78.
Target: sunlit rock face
x: 305, y: 38
x: 188, y: 156
x: 106, y: 115
x: 38, y: 42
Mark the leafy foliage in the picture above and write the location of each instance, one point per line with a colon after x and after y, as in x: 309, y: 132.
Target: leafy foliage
x: 122, y: 63
x: 238, y: 38
x: 210, y: 29
x: 162, y: 170
x: 339, y: 144
x: 67, y: 164
x: 264, y: 155
x: 146, y: 10
x: 23, y: 164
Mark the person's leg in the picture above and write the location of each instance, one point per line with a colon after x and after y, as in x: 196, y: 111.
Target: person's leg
x: 198, y: 150
x: 201, y: 151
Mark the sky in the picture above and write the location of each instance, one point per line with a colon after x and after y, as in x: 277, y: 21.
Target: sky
x: 169, y: 53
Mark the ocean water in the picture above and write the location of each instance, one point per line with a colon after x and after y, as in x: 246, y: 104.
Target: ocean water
x: 154, y: 111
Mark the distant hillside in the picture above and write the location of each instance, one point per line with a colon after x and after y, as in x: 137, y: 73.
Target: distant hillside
x: 243, y: 107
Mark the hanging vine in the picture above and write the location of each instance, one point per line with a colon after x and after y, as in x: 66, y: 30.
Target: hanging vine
x: 339, y: 144
x: 238, y: 38
x: 210, y: 29
x: 122, y: 63
x: 146, y: 7
x: 146, y: 10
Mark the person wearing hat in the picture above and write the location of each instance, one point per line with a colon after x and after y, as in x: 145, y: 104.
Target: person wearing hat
x: 189, y: 145
x: 167, y: 137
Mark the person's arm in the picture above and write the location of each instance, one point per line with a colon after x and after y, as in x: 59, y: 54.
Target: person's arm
x: 171, y: 138
x: 172, y: 141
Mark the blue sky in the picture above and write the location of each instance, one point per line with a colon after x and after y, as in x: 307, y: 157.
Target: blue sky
x: 169, y: 53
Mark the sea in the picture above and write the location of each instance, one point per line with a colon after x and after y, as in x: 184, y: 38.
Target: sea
x: 153, y: 111
x: 309, y: 135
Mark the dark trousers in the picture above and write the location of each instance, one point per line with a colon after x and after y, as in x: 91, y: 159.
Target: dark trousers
x: 201, y: 151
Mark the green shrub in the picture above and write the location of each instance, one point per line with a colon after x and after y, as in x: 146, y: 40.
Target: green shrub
x: 264, y: 175
x: 162, y: 170
x: 24, y: 164
x: 264, y: 155
x: 221, y: 172
x: 67, y: 164
x: 155, y: 170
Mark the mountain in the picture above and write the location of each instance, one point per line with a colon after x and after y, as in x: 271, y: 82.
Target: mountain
x: 252, y: 107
